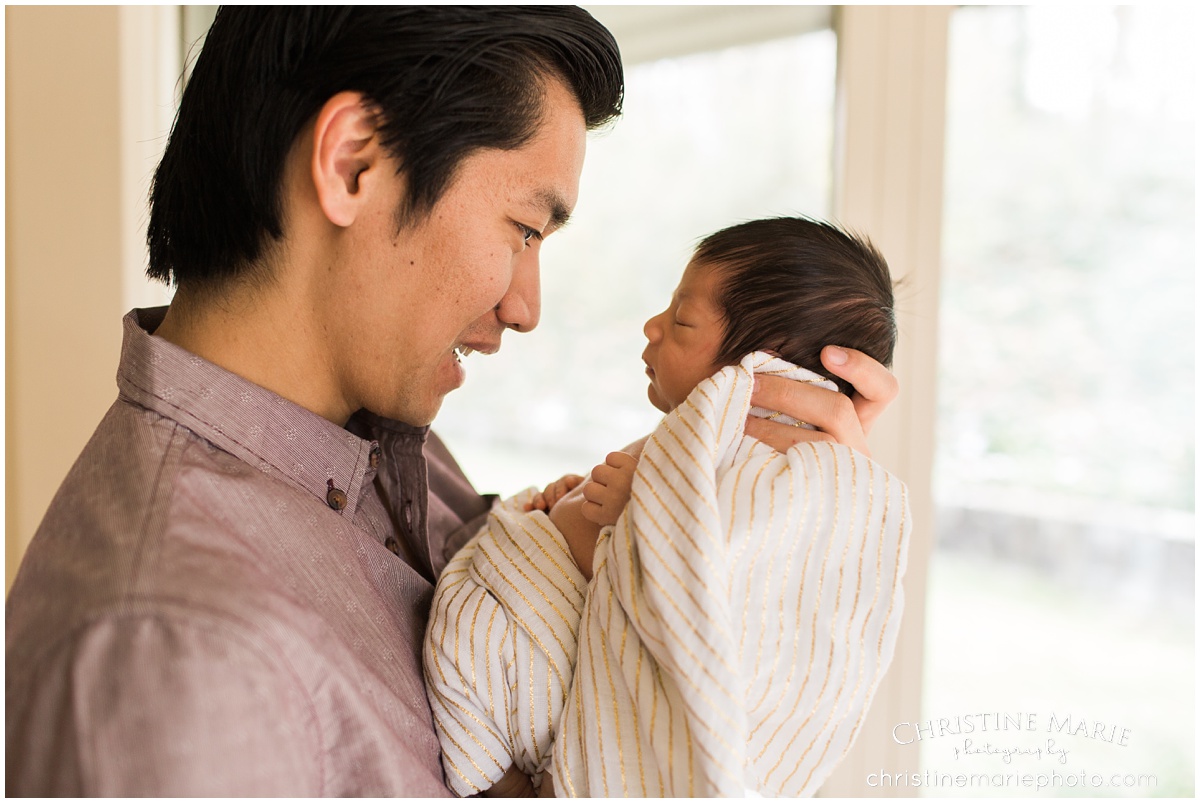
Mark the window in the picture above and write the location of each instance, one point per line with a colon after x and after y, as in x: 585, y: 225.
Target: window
x: 1064, y: 477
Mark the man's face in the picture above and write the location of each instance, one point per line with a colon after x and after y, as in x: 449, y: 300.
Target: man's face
x: 684, y: 339
x: 458, y: 278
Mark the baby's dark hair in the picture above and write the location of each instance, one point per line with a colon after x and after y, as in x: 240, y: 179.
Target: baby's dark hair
x: 793, y: 285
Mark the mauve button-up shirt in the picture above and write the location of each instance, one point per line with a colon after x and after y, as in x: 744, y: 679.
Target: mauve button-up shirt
x: 228, y: 595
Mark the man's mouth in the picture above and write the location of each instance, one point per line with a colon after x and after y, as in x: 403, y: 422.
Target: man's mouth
x: 480, y: 346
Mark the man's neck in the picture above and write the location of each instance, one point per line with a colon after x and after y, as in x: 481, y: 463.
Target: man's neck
x: 258, y: 333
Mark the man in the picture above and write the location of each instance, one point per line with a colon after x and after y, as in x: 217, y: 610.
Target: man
x: 228, y: 593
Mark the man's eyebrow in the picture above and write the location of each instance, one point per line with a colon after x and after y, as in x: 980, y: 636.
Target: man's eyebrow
x: 559, y: 213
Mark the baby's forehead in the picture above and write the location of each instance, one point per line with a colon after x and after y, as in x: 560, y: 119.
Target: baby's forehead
x: 701, y: 280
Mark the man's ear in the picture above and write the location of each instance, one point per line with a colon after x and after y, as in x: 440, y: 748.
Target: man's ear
x: 346, y: 156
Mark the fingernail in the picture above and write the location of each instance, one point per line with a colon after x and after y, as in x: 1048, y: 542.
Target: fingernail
x: 835, y: 355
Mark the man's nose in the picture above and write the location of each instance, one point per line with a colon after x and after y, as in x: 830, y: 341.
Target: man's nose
x: 521, y: 307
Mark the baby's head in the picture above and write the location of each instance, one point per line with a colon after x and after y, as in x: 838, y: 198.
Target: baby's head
x: 789, y: 286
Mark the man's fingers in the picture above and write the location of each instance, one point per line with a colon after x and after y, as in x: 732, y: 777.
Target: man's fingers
x: 782, y: 437
x: 827, y: 410
x: 876, y: 387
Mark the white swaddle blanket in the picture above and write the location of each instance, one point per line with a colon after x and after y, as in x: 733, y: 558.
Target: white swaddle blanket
x: 500, y: 648
x: 743, y: 611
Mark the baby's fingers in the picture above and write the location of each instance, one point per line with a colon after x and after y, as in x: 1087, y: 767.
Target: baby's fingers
x: 599, y: 513
x: 597, y: 494
x: 560, y: 488
x: 602, y: 505
x: 621, y: 461
x: 592, y: 512
x: 594, y: 491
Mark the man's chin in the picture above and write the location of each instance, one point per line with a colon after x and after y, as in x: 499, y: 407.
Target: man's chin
x: 421, y: 408
x: 413, y: 414
x: 425, y: 417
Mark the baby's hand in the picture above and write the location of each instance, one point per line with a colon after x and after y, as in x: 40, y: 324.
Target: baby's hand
x: 607, y: 493
x: 554, y: 491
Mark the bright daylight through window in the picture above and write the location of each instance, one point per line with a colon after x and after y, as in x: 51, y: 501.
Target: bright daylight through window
x: 1063, y: 580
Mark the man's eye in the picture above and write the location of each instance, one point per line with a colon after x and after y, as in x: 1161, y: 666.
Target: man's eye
x: 528, y: 234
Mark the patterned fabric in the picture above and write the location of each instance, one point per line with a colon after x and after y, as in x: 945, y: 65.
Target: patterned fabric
x: 500, y: 651
x: 194, y: 618
x: 743, y: 611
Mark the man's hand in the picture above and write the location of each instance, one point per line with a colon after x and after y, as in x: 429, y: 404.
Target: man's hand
x: 607, y: 493
x: 554, y: 491
x: 836, y: 417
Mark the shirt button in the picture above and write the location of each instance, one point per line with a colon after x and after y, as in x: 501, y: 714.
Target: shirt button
x: 408, y: 512
x: 393, y: 545
x: 373, y: 458
x: 336, y: 497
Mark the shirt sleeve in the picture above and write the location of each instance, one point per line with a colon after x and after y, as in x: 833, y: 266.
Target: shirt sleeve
x: 158, y: 705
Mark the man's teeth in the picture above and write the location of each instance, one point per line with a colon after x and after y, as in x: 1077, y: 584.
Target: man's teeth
x: 463, y: 351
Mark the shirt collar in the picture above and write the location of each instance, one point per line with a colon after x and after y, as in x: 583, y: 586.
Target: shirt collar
x: 276, y: 436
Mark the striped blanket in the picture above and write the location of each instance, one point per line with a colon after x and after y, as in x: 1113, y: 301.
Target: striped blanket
x: 743, y: 611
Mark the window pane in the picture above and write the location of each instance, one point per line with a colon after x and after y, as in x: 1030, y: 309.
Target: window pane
x: 706, y: 141
x: 1064, y: 578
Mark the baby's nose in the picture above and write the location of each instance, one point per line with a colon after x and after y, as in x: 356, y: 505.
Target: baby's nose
x: 653, y: 328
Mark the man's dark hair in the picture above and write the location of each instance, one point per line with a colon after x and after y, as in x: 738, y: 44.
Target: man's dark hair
x: 794, y: 285
x: 445, y: 82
